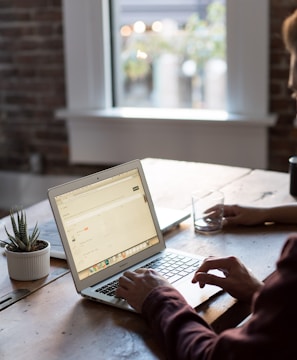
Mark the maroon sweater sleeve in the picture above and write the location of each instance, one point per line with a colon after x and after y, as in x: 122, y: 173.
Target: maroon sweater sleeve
x: 271, y: 333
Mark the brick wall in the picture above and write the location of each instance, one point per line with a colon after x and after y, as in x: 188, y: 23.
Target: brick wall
x: 283, y: 136
x: 31, y: 83
x: 32, y: 87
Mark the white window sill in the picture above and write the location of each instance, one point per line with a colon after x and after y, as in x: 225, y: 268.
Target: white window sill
x: 206, y: 117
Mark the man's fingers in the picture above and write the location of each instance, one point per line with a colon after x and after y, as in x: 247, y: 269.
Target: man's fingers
x: 141, y: 271
x: 207, y: 278
x: 124, y: 282
x: 129, y: 278
x: 213, y: 263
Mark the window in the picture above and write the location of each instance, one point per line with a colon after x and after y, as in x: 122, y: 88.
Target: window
x: 88, y: 62
x: 101, y: 130
x: 169, y: 53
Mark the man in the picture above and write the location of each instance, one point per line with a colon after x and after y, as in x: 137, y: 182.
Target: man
x: 270, y: 333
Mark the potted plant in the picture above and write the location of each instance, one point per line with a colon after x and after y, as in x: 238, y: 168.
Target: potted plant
x: 28, y: 257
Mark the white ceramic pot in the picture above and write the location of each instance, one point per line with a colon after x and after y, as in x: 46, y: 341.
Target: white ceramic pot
x: 27, y: 266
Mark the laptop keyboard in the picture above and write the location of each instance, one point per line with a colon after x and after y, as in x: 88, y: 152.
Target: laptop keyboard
x: 172, y: 266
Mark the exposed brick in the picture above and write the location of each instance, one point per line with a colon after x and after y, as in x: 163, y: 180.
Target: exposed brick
x: 282, y: 137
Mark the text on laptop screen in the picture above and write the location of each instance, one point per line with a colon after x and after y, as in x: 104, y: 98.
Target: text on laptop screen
x: 94, y: 218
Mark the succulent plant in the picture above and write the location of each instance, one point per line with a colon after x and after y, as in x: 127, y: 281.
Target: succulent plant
x: 21, y: 240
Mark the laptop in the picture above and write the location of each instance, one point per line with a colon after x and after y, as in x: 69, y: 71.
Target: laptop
x: 108, y: 224
x: 168, y: 219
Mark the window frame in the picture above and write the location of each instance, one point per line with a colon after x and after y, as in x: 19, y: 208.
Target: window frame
x: 88, y: 55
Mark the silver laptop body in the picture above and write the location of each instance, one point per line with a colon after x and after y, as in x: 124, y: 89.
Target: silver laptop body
x: 108, y: 224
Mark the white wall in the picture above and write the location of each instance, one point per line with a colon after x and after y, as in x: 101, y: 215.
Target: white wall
x: 111, y: 139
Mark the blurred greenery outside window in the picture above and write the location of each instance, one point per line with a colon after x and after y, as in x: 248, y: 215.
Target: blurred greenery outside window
x: 166, y: 64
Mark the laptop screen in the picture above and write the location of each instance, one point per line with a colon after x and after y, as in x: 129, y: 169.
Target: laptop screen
x: 106, y: 222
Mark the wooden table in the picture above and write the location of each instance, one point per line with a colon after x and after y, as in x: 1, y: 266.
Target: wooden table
x: 52, y: 321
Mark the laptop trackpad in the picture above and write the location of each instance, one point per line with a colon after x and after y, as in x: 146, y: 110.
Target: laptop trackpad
x: 193, y: 293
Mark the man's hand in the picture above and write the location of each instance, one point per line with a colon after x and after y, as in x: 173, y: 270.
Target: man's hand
x: 243, y: 215
x: 238, y: 281
x: 135, y: 286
